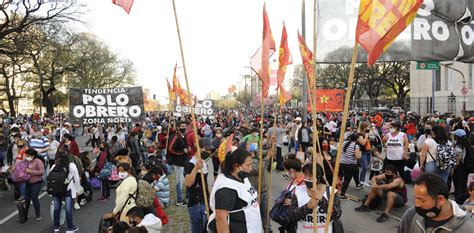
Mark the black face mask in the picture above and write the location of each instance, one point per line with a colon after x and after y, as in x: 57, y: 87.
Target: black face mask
x: 182, y: 130
x: 132, y: 223
x: 204, y: 155
x: 389, y: 177
x: 242, y: 175
x: 428, y: 131
x: 20, y: 146
x: 309, y: 184
x: 429, y: 213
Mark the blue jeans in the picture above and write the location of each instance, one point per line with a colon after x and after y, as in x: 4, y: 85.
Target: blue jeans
x: 179, y: 174
x: 21, y: 187
x: 197, y: 213
x: 364, y: 162
x: 431, y: 167
x: 31, y: 194
x: 57, y: 210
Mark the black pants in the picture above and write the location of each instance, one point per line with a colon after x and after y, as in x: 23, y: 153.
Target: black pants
x: 95, y: 142
x: 373, y: 173
x: 349, y: 171
x: 105, y: 187
x: 459, y: 177
x: 32, y: 192
x: 400, y: 164
x: 279, y: 160
x: 215, y: 165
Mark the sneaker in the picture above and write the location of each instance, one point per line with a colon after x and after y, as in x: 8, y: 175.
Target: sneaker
x: 19, y: 200
x: 72, y: 230
x: 102, y: 199
x: 362, y: 208
x: 343, y: 197
x: 359, y: 186
x: 38, y: 218
x: 83, y: 202
x: 382, y: 218
x: 56, y: 230
x: 366, y: 184
x: 185, y: 203
x: 179, y: 203
x: 76, y: 206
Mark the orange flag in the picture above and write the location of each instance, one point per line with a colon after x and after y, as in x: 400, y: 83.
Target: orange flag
x: 268, y: 48
x: 170, y: 92
x: 307, y: 57
x: 381, y: 21
x: 284, y: 57
x: 125, y: 4
x: 284, y: 96
x: 184, y: 96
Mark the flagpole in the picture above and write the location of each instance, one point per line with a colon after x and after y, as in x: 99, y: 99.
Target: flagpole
x: 169, y: 124
x: 193, y: 117
x: 260, y: 157
x: 271, y: 162
x: 341, y: 136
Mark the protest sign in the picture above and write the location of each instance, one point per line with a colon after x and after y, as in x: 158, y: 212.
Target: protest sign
x: 203, y: 108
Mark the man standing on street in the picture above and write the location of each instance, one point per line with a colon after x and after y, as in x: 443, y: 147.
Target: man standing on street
x: 178, y: 150
x: 433, y: 211
x: 278, y: 134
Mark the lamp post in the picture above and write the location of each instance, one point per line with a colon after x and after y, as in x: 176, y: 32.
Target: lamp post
x: 448, y: 66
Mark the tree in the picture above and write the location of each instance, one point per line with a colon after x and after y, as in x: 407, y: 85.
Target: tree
x: 399, y: 81
x: 19, y: 15
x: 94, y: 65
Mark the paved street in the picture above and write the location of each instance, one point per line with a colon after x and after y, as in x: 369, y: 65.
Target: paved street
x: 88, y: 217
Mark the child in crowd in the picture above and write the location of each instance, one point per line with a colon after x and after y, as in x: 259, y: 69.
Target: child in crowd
x: 161, y: 184
x: 376, y: 163
x: 469, y: 204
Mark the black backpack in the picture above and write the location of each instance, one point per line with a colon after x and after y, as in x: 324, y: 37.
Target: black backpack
x: 57, y: 185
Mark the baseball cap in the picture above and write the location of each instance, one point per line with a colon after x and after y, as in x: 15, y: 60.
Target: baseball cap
x: 206, y: 143
x: 298, y: 119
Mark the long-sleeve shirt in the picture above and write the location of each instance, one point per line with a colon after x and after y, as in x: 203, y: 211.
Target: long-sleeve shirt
x: 37, y: 171
x: 124, y: 190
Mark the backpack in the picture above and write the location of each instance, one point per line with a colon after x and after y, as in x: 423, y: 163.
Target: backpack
x: 144, y: 195
x: 19, y: 175
x: 57, y: 182
x: 279, y: 212
x: 446, y: 156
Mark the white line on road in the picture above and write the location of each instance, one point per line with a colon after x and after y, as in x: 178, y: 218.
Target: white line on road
x: 4, y: 220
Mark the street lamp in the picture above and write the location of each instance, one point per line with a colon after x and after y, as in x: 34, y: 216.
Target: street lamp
x: 448, y: 66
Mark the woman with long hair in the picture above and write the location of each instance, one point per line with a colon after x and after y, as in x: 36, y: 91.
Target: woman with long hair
x: 233, y: 201
x: 365, y: 148
x: 102, y: 160
x: 464, y: 162
x: 33, y: 186
x: 429, y: 152
x: 349, y: 168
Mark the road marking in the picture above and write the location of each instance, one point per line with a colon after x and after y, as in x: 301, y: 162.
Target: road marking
x: 4, y: 220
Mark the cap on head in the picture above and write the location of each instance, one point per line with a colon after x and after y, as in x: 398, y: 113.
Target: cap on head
x: 460, y: 133
x: 206, y: 143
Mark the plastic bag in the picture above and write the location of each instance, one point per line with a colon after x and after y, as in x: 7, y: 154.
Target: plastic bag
x: 62, y: 215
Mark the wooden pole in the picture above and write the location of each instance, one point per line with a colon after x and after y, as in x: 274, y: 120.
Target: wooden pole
x: 168, y: 133
x: 260, y: 157
x: 271, y: 161
x: 193, y: 117
x: 313, y: 110
x: 343, y: 130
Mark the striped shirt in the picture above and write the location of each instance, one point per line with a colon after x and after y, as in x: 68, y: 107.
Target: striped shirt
x: 38, y: 144
x: 348, y: 157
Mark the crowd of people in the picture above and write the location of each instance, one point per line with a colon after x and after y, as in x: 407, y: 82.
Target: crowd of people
x: 380, y: 152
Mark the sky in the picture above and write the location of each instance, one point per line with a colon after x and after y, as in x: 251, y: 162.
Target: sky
x: 219, y: 37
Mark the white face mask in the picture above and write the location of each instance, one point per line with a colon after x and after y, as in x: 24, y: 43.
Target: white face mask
x: 29, y: 159
x: 123, y: 175
x: 392, y: 130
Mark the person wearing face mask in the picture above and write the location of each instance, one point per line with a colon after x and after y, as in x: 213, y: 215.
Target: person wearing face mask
x: 102, y: 159
x: 433, y: 211
x: 178, y: 152
x: 33, y: 186
x: 124, y: 200
x: 233, y: 200
x: 253, y: 138
x: 306, y: 197
x: 277, y: 134
x: 193, y: 181
x: 397, y: 145
x: 216, y: 142
x: 429, y: 152
x: 145, y: 172
x: 161, y: 185
x: 464, y: 162
x: 426, y: 134
x: 137, y: 218
x: 389, y: 187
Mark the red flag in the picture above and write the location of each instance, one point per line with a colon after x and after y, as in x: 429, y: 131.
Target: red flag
x: 284, y: 96
x: 307, y: 57
x: 330, y: 100
x: 170, y: 92
x: 284, y: 57
x: 125, y: 4
x: 184, y: 96
x: 381, y: 21
x: 228, y: 145
x: 268, y: 48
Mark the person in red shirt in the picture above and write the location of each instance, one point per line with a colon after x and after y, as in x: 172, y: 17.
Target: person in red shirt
x: 378, y: 120
x: 70, y: 141
x: 410, y: 129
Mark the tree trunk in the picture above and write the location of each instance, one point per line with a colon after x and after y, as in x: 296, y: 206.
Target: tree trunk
x: 49, y: 104
x: 11, y: 105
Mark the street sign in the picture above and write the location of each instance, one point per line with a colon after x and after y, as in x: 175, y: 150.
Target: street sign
x: 429, y: 65
x: 464, y: 91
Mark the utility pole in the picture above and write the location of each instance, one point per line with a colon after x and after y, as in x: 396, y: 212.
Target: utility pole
x: 305, y: 79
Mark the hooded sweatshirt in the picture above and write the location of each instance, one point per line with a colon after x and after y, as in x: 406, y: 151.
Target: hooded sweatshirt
x: 461, y: 222
x: 151, y: 223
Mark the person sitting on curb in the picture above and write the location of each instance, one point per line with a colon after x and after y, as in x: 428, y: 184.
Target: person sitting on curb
x: 433, y: 211
x: 137, y: 218
x: 388, y: 186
